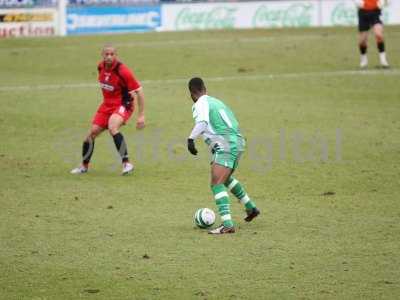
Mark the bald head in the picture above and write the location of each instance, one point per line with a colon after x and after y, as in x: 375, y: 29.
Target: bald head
x: 109, y: 54
x: 109, y: 46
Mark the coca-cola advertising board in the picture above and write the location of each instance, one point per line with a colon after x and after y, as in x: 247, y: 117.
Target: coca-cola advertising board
x: 268, y: 14
x: 239, y: 15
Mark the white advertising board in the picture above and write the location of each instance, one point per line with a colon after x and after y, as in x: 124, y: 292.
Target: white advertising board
x: 267, y: 14
x: 239, y: 15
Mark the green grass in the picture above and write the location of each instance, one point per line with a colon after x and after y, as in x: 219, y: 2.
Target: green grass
x: 85, y: 237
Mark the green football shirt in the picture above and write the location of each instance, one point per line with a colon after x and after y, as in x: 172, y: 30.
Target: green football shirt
x: 222, y: 133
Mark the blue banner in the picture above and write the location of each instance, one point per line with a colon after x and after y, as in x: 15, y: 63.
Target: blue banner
x: 27, y: 3
x: 90, y: 20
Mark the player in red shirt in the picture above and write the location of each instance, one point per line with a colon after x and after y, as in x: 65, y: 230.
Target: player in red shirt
x: 120, y: 92
x: 369, y: 16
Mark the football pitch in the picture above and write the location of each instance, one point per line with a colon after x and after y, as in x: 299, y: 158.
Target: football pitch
x: 322, y: 164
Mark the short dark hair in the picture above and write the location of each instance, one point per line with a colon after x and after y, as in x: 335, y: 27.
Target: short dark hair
x: 196, y: 84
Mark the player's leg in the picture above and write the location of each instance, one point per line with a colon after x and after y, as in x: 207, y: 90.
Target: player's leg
x: 219, y: 175
x: 88, y: 148
x: 363, y: 46
x: 363, y: 29
x: 236, y: 188
x: 88, y: 143
x: 380, y: 42
x: 114, y: 124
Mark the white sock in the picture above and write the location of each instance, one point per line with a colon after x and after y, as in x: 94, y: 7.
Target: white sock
x: 382, y: 58
x: 364, y: 60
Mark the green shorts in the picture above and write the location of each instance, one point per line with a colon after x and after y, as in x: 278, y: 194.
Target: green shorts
x: 227, y: 159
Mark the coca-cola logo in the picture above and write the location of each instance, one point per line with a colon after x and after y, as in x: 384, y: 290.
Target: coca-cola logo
x: 216, y: 18
x: 344, y: 15
x: 295, y: 15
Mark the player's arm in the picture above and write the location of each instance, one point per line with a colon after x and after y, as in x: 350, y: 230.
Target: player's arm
x: 383, y: 3
x: 136, y: 91
x: 138, y: 96
x: 359, y: 3
x: 197, y: 130
x: 200, y: 112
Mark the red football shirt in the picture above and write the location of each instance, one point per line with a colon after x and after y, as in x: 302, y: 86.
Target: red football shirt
x: 114, y: 80
x: 370, y: 4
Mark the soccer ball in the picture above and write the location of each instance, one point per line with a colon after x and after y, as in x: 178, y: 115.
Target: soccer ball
x: 204, y: 217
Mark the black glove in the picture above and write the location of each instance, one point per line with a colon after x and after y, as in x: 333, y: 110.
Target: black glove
x: 215, y: 148
x: 191, y: 147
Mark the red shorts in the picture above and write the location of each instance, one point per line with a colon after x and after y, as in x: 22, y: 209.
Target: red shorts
x: 104, y: 113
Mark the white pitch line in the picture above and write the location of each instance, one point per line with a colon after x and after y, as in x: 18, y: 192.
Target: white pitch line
x: 174, y: 42
x: 45, y: 87
x: 263, y: 39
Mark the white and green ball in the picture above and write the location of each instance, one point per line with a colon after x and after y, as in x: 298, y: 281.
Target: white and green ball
x: 204, y: 217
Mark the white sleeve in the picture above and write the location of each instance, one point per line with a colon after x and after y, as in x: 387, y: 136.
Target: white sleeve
x: 200, y: 112
x: 198, y: 129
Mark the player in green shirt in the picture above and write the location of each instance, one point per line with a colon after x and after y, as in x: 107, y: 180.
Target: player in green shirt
x: 216, y: 123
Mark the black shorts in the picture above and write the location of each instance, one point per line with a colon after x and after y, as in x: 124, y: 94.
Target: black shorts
x: 368, y: 18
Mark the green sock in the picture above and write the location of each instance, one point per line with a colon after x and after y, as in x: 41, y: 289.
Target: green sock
x: 236, y: 188
x: 222, y: 200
